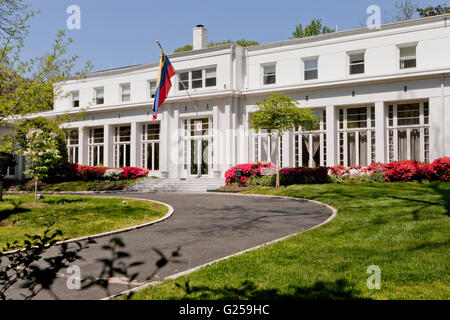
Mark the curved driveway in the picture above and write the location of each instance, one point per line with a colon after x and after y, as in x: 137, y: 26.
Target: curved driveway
x: 205, y: 226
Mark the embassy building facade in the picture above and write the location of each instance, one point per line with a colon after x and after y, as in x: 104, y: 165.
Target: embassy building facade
x: 380, y: 95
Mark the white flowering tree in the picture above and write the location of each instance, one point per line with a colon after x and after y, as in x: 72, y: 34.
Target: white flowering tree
x: 42, y: 155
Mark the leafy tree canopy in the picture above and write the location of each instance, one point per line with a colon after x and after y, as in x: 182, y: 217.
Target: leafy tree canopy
x: 313, y: 29
x: 433, y: 11
x: 242, y: 43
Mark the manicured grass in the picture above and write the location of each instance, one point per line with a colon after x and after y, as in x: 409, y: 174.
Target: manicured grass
x: 80, y: 185
x: 403, y: 228
x: 75, y: 216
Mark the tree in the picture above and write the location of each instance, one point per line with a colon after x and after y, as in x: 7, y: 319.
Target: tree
x: 313, y: 29
x: 433, y: 11
x: 187, y: 47
x: 6, y: 161
x: 47, y: 125
x: 42, y: 155
x: 28, y: 85
x: 404, y: 10
x: 277, y: 114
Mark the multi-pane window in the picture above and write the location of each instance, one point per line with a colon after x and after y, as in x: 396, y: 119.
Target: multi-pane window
x: 198, y: 78
x: 311, y: 69
x: 96, y: 147
x: 198, y: 146
x: 99, y: 95
x: 408, y: 132
x: 408, y: 57
x: 310, y: 147
x: 125, y: 92
x: 75, y: 97
x: 11, y: 170
x: 72, y: 145
x: 356, y: 63
x: 122, y: 146
x: 356, y: 136
x: 152, y: 88
x: 269, y: 76
x: 150, y: 146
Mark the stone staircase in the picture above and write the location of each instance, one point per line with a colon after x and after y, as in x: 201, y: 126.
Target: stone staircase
x: 176, y: 185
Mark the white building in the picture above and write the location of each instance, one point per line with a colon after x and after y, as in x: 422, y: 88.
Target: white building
x: 381, y: 95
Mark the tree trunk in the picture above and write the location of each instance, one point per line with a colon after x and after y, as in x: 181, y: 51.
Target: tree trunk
x: 35, y: 191
x: 1, y: 188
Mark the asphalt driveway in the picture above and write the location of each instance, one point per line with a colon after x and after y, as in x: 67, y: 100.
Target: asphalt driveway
x: 206, y: 227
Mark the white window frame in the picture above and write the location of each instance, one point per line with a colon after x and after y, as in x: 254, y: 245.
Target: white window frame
x: 189, y: 79
x: 343, y: 133
x: 299, y: 135
x: 118, y: 144
x: 264, y: 75
x: 393, y: 131
x: 72, y: 98
x: 188, y: 124
x: 96, y: 95
x: 93, y: 146
x: 153, y: 143
x: 122, y: 85
x: 151, y: 94
x: 350, y: 64
x: 73, y: 148
x: 400, y: 59
x: 309, y: 59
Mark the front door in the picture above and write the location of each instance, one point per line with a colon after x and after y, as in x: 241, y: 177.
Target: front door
x: 199, y: 161
x: 198, y: 147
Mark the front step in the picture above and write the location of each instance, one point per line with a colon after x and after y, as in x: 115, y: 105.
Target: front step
x: 176, y: 185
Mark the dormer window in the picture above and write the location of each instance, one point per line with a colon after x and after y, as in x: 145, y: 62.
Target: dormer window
x: 75, y: 96
x: 356, y: 62
x: 408, y: 57
x: 125, y: 90
x: 269, y: 74
x: 99, y: 95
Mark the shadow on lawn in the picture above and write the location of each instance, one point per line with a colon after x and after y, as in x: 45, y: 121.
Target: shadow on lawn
x: 63, y: 201
x: 6, y: 213
x: 320, y: 290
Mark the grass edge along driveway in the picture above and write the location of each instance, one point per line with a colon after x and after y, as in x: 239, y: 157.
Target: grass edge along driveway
x: 403, y: 228
x: 75, y: 216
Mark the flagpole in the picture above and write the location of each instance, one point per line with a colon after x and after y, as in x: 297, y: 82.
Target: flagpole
x: 159, y: 44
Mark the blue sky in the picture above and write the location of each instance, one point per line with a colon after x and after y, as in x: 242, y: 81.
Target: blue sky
x: 122, y: 33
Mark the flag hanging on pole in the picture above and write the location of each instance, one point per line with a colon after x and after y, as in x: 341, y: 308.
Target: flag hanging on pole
x: 166, y: 71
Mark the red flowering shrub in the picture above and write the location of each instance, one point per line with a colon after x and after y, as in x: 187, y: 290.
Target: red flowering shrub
x: 438, y: 170
x: 406, y: 170
x: 134, y: 173
x: 253, y: 169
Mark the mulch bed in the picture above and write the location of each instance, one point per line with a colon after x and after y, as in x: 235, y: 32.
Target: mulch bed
x: 234, y: 188
x: 34, y: 205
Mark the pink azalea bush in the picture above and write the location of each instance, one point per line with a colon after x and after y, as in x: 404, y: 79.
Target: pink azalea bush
x: 253, y: 169
x: 88, y: 173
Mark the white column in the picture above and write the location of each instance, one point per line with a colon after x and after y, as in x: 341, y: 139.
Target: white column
x: 164, y: 140
x: 108, y: 145
x: 136, y: 131
x: 287, y: 150
x: 380, y: 132
x: 216, y: 163
x: 436, y: 129
x: 83, y: 135
x: 228, y: 135
x: 332, y: 147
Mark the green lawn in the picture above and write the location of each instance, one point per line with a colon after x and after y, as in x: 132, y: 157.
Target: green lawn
x: 403, y: 228
x: 75, y: 216
x: 80, y: 185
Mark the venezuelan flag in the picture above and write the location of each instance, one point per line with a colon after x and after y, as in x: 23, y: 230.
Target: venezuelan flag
x: 163, y: 85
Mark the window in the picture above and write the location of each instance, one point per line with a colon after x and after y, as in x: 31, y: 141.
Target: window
x: 197, y: 146
x: 408, y: 132
x: 210, y: 77
x: 408, y: 57
x: 72, y: 145
x: 356, y: 63
x: 125, y: 92
x: 183, y: 83
x: 75, y: 96
x: 197, y: 79
x: 311, y: 69
x: 95, y: 147
x: 310, y: 147
x: 122, y: 146
x: 99, y: 95
x: 150, y: 146
x: 356, y: 136
x: 269, y: 74
x: 152, y: 88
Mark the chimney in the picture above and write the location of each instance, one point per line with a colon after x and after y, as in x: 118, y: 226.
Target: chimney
x: 200, y: 37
